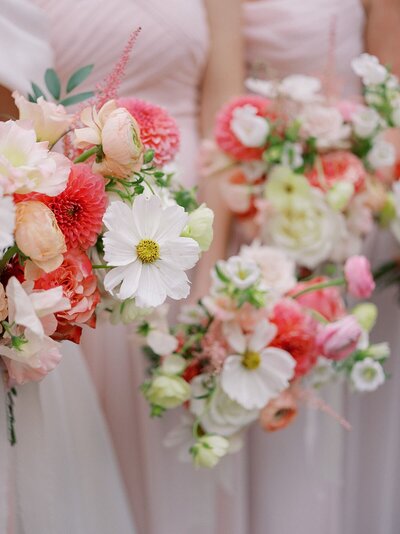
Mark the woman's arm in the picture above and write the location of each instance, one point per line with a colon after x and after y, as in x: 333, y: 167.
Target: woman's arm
x: 223, y: 80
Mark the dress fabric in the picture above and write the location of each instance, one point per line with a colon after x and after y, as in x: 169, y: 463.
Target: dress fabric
x: 315, y: 477
x: 62, y: 476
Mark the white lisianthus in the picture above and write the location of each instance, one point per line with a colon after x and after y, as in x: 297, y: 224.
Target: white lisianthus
x: 242, y: 272
x: 218, y: 413
x: 173, y: 364
x: 369, y: 69
x: 300, y: 88
x: 7, y: 223
x: 265, y: 88
x: 382, y: 154
x: 367, y: 375
x: 249, y: 128
x: 277, y: 269
x: 255, y: 373
x: 149, y: 257
x: 326, y: 124
x: 200, y: 227
x: 379, y: 351
x: 50, y: 121
x: 27, y: 166
x: 365, y: 122
x: 168, y: 391
x: 285, y: 188
x: 208, y: 450
x: 322, y: 373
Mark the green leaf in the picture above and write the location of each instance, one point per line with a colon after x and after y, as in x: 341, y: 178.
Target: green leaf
x: 53, y: 83
x: 148, y: 156
x: 78, y: 77
x: 80, y: 97
x: 37, y: 92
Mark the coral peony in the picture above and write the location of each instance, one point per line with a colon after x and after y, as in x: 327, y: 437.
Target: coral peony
x: 158, y: 130
x: 79, y: 209
x: 340, y: 166
x: 360, y: 282
x: 296, y: 334
x: 327, y: 302
x: 79, y: 284
x: 279, y: 412
x: 224, y: 136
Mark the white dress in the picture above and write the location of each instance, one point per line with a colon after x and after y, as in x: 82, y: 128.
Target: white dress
x: 61, y: 477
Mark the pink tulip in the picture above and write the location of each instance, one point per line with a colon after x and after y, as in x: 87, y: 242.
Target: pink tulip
x: 339, y: 339
x: 360, y: 282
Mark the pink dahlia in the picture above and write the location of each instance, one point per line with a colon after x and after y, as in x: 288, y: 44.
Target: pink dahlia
x: 340, y: 166
x: 79, y: 209
x: 158, y: 130
x: 224, y: 136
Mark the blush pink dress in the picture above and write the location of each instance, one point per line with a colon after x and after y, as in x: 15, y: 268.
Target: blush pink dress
x: 313, y: 477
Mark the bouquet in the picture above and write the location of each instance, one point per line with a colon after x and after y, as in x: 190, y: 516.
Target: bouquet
x: 304, y: 167
x: 103, y: 226
x: 259, y: 343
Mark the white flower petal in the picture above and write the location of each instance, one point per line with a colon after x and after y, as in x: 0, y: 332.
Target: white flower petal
x: 182, y: 252
x: 235, y: 336
x: 176, y: 281
x: 119, y: 248
x: 147, y: 214
x: 172, y: 222
x: 246, y: 387
x: 151, y: 291
x: 263, y: 334
x: 119, y: 218
x: 131, y: 280
x: 114, y: 277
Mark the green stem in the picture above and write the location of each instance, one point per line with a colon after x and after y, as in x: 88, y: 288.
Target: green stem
x: 322, y: 285
x: 149, y: 186
x: 7, y: 256
x: 86, y: 155
x: 102, y: 267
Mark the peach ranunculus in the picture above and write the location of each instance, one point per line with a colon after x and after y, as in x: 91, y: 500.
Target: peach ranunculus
x: 50, y: 121
x: 117, y: 134
x: 79, y: 283
x: 3, y: 304
x: 279, y: 412
x: 38, y: 236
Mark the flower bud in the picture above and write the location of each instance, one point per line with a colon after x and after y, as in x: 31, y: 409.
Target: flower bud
x: 366, y: 314
x: 173, y: 364
x: 357, y: 271
x: 208, y: 450
x: 338, y: 340
x: 378, y: 351
x: 200, y: 227
x: 340, y: 195
x: 168, y: 391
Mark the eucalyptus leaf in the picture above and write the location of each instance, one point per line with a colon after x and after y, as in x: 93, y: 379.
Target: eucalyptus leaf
x: 75, y: 99
x: 53, y: 83
x: 37, y: 92
x: 78, y: 77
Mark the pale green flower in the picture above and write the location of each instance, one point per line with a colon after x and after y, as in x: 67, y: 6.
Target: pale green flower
x: 285, y: 188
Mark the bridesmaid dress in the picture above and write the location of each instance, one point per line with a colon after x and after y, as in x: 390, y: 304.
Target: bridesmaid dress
x: 315, y: 477
x: 61, y: 477
x: 166, y: 68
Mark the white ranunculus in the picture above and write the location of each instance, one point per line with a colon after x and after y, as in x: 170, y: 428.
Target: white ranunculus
x: 367, y: 375
x: 300, y: 88
x: 249, y: 128
x: 369, y: 69
x: 326, y: 124
x: 255, y: 373
x: 365, y: 122
x: 382, y: 154
x: 7, y: 223
x: 218, y: 413
x: 200, y: 227
x: 208, y: 450
x: 278, y: 271
x: 143, y: 244
x: 242, y: 272
x: 168, y: 391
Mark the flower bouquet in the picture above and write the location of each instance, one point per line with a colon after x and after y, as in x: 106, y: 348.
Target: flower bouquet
x: 258, y: 344
x: 102, y: 226
x: 305, y: 167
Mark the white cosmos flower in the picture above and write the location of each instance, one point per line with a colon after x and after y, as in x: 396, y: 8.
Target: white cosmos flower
x: 300, y: 88
x: 7, y: 222
x: 242, y: 272
x: 251, y: 129
x: 367, y: 375
x: 369, y: 69
x: 255, y: 373
x: 143, y: 244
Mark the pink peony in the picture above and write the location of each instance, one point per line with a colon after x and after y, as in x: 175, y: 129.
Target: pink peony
x: 224, y: 136
x: 338, y: 340
x: 360, y: 282
x: 327, y: 302
x: 158, y: 130
x: 297, y: 333
x: 337, y: 167
x: 79, y: 284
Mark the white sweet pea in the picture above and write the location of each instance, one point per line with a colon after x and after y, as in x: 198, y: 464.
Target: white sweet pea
x: 301, y: 88
x: 7, y: 222
x: 242, y: 272
x: 208, y: 450
x: 250, y: 129
x: 365, y: 122
x: 382, y: 154
x: 369, y: 69
x: 367, y: 375
x: 255, y: 373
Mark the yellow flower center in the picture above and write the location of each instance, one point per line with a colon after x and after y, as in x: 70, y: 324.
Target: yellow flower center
x: 148, y: 251
x: 251, y: 360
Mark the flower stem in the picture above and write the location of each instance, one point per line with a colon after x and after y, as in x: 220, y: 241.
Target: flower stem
x: 7, y: 256
x: 102, y: 266
x: 322, y: 285
x: 86, y: 155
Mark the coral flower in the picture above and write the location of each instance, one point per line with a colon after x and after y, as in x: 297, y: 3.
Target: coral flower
x: 279, y: 412
x: 158, y: 130
x: 327, y: 302
x: 79, y: 209
x: 340, y: 166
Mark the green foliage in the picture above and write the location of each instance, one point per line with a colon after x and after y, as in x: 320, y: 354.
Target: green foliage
x: 78, y: 77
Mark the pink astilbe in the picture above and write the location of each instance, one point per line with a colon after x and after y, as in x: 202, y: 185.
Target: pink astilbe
x: 214, y: 347
x: 309, y: 397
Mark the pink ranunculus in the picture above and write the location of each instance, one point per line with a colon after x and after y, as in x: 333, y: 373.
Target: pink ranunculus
x: 339, y: 166
x: 360, y: 282
x: 327, y: 302
x: 279, y: 412
x: 79, y: 284
x: 338, y: 340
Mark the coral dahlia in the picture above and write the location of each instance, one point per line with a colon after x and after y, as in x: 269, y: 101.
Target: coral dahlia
x: 158, y: 130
